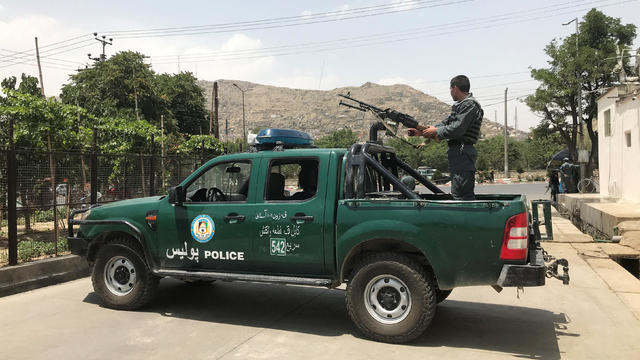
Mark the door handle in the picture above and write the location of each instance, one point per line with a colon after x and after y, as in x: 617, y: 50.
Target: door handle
x: 301, y: 218
x: 234, y: 218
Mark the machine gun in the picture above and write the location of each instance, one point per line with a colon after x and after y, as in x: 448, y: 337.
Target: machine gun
x: 384, y: 115
x: 389, y: 118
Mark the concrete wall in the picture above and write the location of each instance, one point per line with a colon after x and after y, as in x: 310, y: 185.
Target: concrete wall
x: 620, y: 164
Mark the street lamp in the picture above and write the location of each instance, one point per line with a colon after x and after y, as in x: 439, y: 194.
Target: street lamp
x: 244, y: 127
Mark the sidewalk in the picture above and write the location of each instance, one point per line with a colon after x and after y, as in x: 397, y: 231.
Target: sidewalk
x: 600, y: 257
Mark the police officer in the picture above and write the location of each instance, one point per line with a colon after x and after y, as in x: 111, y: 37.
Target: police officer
x: 461, y: 129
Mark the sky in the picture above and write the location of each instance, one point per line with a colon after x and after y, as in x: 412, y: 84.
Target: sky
x: 309, y: 44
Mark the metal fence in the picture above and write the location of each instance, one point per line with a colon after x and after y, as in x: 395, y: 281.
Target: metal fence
x: 49, y: 185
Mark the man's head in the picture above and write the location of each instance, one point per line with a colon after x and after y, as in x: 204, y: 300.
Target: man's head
x: 565, y: 160
x: 459, y: 87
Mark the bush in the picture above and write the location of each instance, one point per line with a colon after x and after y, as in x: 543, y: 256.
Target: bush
x: 30, y: 249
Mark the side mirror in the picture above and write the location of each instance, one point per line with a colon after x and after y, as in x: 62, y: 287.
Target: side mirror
x: 176, y: 195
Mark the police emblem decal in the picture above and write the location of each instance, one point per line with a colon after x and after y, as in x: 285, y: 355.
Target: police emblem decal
x: 202, y: 228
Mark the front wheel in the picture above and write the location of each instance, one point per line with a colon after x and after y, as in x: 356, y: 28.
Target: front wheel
x: 121, y: 277
x: 586, y: 186
x: 391, y: 298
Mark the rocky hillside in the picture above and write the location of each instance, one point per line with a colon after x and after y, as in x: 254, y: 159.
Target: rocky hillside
x: 317, y: 112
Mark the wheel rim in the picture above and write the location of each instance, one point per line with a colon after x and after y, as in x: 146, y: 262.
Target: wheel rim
x: 120, y: 275
x: 387, y: 299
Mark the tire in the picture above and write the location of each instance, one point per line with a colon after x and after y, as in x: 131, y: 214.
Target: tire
x: 121, y: 277
x: 391, y: 298
x: 586, y: 186
x: 442, y: 295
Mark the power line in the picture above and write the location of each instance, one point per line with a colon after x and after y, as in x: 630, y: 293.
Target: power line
x: 332, y: 16
x: 327, y: 45
x: 488, y: 19
x: 31, y: 52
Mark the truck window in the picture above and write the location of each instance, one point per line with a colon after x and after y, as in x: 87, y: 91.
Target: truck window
x: 227, y: 181
x: 292, y: 180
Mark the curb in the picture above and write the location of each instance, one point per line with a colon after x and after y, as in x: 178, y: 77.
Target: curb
x: 41, y: 273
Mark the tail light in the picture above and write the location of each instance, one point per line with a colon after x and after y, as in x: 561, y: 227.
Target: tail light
x: 516, y: 238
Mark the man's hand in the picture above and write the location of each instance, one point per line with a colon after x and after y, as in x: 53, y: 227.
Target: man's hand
x: 430, y: 132
x: 414, y: 132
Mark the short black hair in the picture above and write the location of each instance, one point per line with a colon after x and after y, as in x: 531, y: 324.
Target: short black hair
x: 461, y: 82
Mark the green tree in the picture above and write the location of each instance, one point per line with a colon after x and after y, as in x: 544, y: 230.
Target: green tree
x: 491, y: 153
x: 589, y: 65
x: 342, y: 138
x: 113, y: 87
x: 185, y: 102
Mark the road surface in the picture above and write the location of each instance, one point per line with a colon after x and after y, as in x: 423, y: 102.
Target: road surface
x: 584, y: 320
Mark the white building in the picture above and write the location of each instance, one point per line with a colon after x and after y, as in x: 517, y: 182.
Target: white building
x: 619, y: 142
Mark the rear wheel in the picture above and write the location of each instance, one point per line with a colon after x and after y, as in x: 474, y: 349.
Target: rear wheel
x: 121, y: 277
x: 391, y: 298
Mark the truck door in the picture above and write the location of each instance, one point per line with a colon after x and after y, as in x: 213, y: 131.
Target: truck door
x: 288, y: 218
x: 208, y: 231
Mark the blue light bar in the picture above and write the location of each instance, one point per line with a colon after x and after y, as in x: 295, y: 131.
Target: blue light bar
x: 286, y: 137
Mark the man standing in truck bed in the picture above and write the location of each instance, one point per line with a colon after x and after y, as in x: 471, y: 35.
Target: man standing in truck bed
x: 461, y: 129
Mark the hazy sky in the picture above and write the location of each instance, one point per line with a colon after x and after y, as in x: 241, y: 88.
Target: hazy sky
x: 308, y: 44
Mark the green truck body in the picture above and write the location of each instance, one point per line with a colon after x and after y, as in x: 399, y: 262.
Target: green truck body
x: 325, y: 240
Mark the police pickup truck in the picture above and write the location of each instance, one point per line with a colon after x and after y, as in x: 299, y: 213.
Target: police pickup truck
x: 321, y: 217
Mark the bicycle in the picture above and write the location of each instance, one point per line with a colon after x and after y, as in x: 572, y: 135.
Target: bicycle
x: 588, y: 185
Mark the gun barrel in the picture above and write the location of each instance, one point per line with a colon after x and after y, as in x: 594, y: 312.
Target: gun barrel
x: 351, y: 106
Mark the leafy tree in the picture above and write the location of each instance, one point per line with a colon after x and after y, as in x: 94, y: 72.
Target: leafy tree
x: 28, y: 85
x: 491, y: 153
x: 542, y: 144
x: 185, y: 102
x: 112, y: 87
x: 589, y: 66
x: 342, y: 138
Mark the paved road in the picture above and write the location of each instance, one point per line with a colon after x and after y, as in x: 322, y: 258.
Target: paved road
x: 533, y: 191
x: 584, y: 320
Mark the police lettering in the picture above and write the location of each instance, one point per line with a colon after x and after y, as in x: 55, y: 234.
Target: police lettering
x: 224, y: 255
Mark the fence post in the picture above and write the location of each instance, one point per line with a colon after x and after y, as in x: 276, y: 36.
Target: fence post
x: 94, y: 168
x: 12, y: 217
x: 152, y: 169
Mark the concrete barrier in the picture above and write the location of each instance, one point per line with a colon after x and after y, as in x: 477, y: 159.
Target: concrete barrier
x: 37, y: 274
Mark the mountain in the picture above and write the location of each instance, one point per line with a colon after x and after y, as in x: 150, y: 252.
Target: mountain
x: 317, y: 111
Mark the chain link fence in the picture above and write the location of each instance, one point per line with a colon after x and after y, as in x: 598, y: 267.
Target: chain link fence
x: 50, y: 185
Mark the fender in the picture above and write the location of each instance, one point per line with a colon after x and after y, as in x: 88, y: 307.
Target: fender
x: 397, y: 231
x: 127, y: 226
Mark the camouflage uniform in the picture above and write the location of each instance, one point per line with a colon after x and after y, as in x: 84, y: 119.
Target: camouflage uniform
x: 461, y: 129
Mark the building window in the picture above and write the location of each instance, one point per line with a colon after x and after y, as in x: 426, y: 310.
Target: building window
x: 627, y: 137
x: 607, y: 122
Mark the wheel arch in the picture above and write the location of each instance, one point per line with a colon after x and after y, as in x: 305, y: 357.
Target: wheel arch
x: 108, y: 236
x: 358, y: 252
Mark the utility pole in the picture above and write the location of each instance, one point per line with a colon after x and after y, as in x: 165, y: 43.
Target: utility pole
x: 244, y: 126
x: 506, y: 135
x: 216, y: 123
x: 39, y: 68
x: 213, y: 94
x: 52, y: 167
x: 162, y: 148
x: 104, y: 43
x: 516, y: 120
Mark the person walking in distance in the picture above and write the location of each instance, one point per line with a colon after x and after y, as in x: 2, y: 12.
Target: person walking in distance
x: 461, y: 130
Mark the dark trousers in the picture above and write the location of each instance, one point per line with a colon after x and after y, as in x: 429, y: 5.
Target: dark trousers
x: 462, y: 184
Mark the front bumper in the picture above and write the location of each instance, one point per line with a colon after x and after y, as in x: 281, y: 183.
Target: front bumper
x: 78, y: 246
x: 534, y: 273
